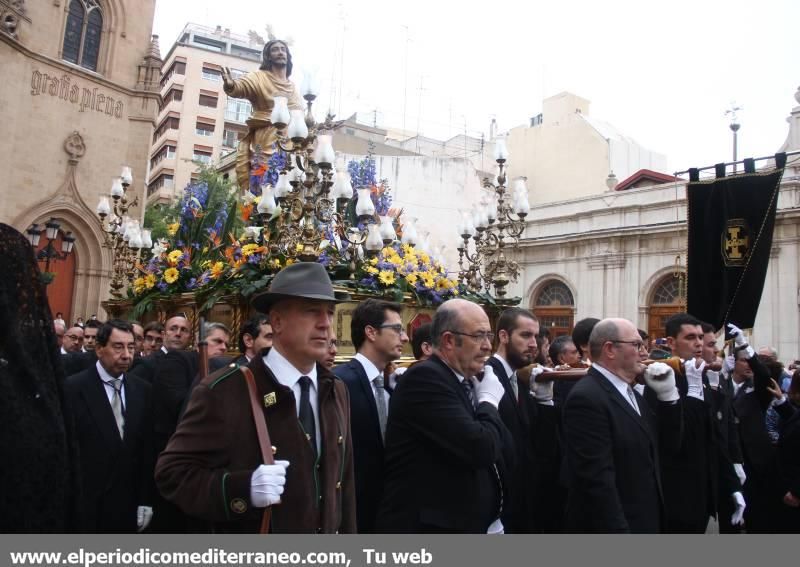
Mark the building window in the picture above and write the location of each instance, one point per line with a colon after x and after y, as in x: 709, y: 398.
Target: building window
x: 237, y: 110
x: 202, y: 156
x: 554, y: 294
x: 208, y: 101
x: 166, y: 152
x: 554, y: 306
x: 165, y: 181
x: 177, y: 68
x: 173, y: 95
x: 214, y: 75
x: 169, y: 123
x: 231, y: 138
x: 667, y: 292
x: 204, y: 129
x: 666, y: 302
x: 82, y: 34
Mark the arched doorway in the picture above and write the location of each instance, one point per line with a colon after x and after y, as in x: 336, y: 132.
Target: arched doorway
x: 60, y: 289
x: 554, y: 305
x: 665, y: 303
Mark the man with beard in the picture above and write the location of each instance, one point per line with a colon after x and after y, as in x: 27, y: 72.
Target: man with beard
x: 377, y: 332
x: 517, y: 329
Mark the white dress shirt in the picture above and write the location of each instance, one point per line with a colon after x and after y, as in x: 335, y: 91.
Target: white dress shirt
x: 620, y: 384
x: 372, y: 372
x: 107, y: 383
x: 289, y: 376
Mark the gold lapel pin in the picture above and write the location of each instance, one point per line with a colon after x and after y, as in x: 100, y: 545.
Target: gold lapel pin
x: 270, y: 399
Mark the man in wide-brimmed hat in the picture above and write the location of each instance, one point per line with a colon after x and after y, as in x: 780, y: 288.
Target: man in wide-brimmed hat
x: 212, y: 468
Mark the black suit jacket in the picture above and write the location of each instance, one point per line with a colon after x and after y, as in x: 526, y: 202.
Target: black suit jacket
x: 534, y: 470
x: 612, y: 458
x: 441, y: 456
x: 74, y: 362
x: 145, y: 367
x: 172, y: 383
x: 116, y: 474
x: 367, y: 443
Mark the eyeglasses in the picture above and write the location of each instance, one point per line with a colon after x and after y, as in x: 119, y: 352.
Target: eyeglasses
x: 149, y: 339
x: 74, y: 337
x: 638, y: 345
x: 397, y: 328
x: 479, y: 336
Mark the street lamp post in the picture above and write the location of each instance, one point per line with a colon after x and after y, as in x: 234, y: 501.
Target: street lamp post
x: 49, y: 252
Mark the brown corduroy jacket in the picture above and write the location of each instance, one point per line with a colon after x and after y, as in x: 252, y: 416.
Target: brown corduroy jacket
x: 206, y: 467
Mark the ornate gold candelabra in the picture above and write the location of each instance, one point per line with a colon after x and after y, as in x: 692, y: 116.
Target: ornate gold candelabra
x: 310, y: 201
x: 121, y: 234
x: 493, y: 225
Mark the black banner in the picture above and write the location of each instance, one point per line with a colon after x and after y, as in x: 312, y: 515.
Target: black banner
x: 730, y: 224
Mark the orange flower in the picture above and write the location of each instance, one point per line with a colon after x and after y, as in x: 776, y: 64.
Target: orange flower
x: 247, y: 210
x: 260, y: 170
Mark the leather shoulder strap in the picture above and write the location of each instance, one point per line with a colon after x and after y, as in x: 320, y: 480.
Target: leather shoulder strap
x: 264, y: 442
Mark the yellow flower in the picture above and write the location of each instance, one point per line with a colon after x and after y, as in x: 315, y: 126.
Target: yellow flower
x: 216, y: 270
x: 395, y: 260
x: 171, y: 275
x: 386, y: 277
x: 443, y: 284
x: 412, y: 278
x: 372, y: 270
x: 249, y: 249
x: 275, y: 263
x: 424, y: 258
x: 173, y: 257
x: 299, y: 247
x: 407, y: 249
x: 289, y: 261
x: 172, y: 229
x: 428, y: 279
x: 138, y: 285
x: 150, y: 281
x: 373, y: 261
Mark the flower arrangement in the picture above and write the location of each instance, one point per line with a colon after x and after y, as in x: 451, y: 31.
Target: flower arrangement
x: 400, y: 269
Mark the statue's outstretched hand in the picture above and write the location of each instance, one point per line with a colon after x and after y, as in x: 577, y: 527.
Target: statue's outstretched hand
x: 227, y: 79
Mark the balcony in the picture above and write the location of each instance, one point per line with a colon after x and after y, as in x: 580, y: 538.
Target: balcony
x: 174, y: 106
x: 168, y: 134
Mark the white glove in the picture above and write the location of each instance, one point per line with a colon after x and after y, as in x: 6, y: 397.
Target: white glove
x: 713, y: 378
x: 738, y: 515
x: 740, y: 341
x: 542, y: 391
x: 489, y: 389
x: 739, y: 469
x: 660, y: 378
x: 143, y: 516
x: 727, y: 366
x: 266, y: 484
x: 694, y: 378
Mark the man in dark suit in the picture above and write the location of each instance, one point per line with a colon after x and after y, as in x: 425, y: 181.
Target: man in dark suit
x: 526, y: 511
x: 376, y: 330
x: 694, y: 476
x: 442, y: 451
x: 177, y: 336
x: 753, y: 393
x: 255, y: 339
x: 612, y: 436
x: 113, y: 416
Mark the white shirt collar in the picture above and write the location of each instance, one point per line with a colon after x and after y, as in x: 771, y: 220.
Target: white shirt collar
x: 284, y: 371
x: 615, y: 380
x: 63, y: 351
x: 371, y: 370
x: 164, y: 349
x: 105, y: 376
x: 506, y: 366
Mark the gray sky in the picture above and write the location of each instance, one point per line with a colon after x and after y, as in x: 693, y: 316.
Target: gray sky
x: 662, y: 73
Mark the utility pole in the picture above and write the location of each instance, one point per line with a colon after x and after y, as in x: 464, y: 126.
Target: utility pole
x: 734, y: 126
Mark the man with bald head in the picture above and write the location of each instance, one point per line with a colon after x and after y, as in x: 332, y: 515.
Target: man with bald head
x: 612, y: 436
x: 446, y: 446
x: 73, y: 340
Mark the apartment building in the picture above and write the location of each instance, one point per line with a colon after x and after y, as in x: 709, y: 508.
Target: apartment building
x: 197, y: 122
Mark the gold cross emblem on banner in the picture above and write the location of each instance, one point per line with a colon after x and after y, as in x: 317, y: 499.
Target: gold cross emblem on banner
x: 735, y: 242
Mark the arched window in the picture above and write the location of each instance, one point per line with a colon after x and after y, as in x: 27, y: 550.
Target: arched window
x: 666, y: 301
x: 82, y: 33
x: 554, y: 307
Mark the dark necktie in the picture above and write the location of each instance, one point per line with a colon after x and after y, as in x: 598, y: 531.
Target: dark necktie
x: 306, y: 414
x: 469, y: 388
x: 116, y: 405
x: 380, y: 400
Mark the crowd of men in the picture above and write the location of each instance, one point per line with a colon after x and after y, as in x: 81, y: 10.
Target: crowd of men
x: 498, y: 429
